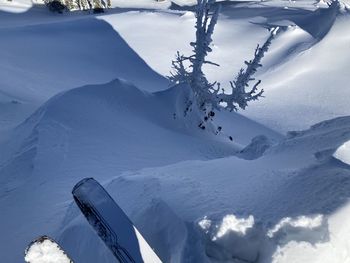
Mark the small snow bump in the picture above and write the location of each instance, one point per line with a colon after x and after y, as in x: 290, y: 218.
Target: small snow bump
x: 343, y: 153
x: 44, y: 252
x: 298, y: 222
x: 232, y: 223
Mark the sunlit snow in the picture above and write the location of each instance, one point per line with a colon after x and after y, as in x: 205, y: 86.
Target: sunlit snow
x: 86, y: 95
x: 46, y: 252
x: 343, y: 153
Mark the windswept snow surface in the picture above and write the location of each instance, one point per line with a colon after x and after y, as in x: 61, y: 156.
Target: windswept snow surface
x: 195, y: 196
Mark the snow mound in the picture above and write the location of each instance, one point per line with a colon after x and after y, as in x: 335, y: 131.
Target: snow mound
x: 343, y: 153
x: 100, y: 131
x: 56, y: 48
x: 46, y: 252
x: 305, y: 80
x: 256, y: 148
x: 186, y: 189
x: 320, y: 141
x: 292, y: 198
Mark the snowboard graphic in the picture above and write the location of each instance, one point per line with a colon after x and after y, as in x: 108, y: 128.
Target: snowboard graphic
x: 45, y: 250
x: 112, y: 224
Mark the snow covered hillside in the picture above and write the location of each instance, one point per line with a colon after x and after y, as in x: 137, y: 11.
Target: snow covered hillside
x: 84, y: 95
x: 230, y: 208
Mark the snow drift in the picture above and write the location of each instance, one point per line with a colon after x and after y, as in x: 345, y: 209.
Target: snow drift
x: 60, y: 55
x: 284, y: 201
x: 100, y: 131
x: 196, y: 197
x: 343, y: 153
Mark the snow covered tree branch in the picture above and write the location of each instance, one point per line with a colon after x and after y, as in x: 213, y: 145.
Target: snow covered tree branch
x: 206, y: 18
x: 208, y: 96
x: 239, y: 96
x: 97, y: 6
x: 180, y: 73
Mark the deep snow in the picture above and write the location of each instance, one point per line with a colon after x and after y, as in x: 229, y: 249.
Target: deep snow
x: 286, y: 201
x: 195, y: 196
x: 88, y: 132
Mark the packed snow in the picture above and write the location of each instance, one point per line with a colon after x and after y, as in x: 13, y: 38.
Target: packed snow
x: 46, y: 251
x: 86, y: 95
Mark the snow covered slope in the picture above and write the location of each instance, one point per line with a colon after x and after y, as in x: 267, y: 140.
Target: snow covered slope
x: 291, y: 194
x: 295, y: 71
x: 195, y: 196
x: 41, y: 60
x: 312, y: 88
x: 295, y: 56
x: 100, y: 131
